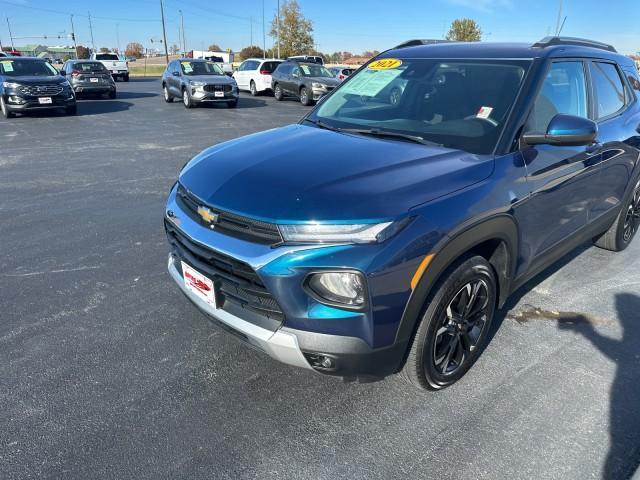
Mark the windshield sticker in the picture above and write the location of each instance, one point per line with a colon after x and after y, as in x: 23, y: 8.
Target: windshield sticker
x: 370, y: 83
x: 187, y: 67
x: 7, y: 65
x: 484, y: 112
x: 305, y: 69
x: 385, y: 64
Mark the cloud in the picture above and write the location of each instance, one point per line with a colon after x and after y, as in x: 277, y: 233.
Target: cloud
x: 482, y: 5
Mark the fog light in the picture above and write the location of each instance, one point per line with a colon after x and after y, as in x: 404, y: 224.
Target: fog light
x: 343, y: 288
x: 17, y: 100
x: 320, y: 361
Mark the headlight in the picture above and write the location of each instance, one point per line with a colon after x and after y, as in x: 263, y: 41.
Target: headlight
x: 197, y: 84
x: 11, y: 85
x: 317, y: 85
x: 322, y: 233
x: 343, y: 288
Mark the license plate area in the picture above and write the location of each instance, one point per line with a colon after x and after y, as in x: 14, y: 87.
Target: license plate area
x: 94, y: 80
x: 219, y: 94
x: 199, y: 285
x: 44, y: 100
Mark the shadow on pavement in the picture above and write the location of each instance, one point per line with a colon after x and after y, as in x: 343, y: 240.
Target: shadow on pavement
x: 100, y: 107
x: 624, y: 404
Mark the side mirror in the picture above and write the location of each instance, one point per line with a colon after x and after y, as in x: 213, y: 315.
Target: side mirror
x: 63, y: 73
x: 565, y: 130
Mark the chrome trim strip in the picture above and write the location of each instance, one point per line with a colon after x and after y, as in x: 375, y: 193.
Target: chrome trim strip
x: 281, y: 346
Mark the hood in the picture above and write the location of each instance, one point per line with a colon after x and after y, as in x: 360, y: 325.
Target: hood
x: 301, y: 173
x: 330, y: 81
x: 36, y: 80
x: 211, y: 79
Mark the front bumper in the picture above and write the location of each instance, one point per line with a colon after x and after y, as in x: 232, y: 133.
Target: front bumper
x: 32, y: 103
x: 198, y: 94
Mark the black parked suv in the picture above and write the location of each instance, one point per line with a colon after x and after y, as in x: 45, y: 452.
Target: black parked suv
x: 306, y: 81
x: 32, y: 84
x: 198, y: 81
x: 89, y: 77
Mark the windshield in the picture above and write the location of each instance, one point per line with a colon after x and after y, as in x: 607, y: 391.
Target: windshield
x: 107, y: 56
x: 460, y: 104
x: 19, y: 68
x: 89, y: 67
x: 315, y: 71
x: 200, y: 68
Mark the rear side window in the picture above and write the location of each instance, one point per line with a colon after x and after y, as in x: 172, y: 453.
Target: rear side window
x: 107, y: 56
x: 564, y: 91
x: 269, y: 66
x: 284, y: 69
x: 609, y: 89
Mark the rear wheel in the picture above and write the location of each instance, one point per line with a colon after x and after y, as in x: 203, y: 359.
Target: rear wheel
x: 453, y: 330
x: 71, y: 110
x: 112, y: 94
x: 277, y: 92
x: 5, y: 110
x: 186, y: 99
x: 304, y: 97
x: 627, y: 224
x: 167, y: 96
x: 253, y: 89
x: 126, y: 78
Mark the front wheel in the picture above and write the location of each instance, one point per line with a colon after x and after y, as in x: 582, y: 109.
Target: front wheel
x: 71, y: 110
x: 186, y: 99
x: 454, y: 326
x: 277, y: 92
x: 167, y: 96
x: 305, y: 99
x: 112, y: 94
x: 5, y: 110
x: 233, y: 104
x: 126, y: 78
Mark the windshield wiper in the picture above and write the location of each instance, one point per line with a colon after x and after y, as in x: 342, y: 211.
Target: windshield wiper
x: 385, y: 133
x: 323, y: 125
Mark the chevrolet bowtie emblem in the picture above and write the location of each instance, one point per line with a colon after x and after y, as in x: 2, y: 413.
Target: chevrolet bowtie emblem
x: 207, y: 215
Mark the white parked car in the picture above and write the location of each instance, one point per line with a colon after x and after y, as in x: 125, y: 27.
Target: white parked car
x: 254, y: 74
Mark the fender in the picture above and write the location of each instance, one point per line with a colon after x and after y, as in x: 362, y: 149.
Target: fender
x: 502, y: 228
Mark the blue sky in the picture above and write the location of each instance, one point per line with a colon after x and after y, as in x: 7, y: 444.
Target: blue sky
x: 352, y: 25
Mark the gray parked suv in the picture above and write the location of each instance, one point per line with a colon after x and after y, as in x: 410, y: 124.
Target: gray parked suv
x: 198, y: 81
x: 89, y: 77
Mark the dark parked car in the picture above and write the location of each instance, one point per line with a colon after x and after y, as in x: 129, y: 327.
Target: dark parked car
x: 89, y: 77
x: 306, y: 81
x: 32, y: 84
x: 374, y: 238
x: 198, y: 81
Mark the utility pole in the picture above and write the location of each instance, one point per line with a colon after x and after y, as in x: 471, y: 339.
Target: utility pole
x: 184, y: 40
x: 264, y: 38
x: 118, y: 38
x: 164, y: 33
x: 93, y: 43
x: 278, y: 17
x: 13, y: 49
x: 251, y: 30
x: 73, y: 37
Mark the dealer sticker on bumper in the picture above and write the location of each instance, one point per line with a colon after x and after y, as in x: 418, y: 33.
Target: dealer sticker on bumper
x: 200, y: 285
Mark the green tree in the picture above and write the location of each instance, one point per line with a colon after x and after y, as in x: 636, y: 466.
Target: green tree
x: 214, y: 47
x: 464, y: 30
x: 251, y: 52
x: 134, y: 49
x: 83, y: 52
x: 296, y: 31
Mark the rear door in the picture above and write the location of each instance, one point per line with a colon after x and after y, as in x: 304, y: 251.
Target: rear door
x: 613, y: 99
x: 561, y: 179
x: 240, y: 75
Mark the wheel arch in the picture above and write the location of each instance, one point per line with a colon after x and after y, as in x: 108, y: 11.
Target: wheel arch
x: 495, y: 239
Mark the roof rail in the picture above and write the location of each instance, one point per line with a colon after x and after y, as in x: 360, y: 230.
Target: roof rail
x: 425, y: 41
x: 579, y: 42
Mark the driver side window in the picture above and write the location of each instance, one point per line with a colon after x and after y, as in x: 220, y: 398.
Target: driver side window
x: 564, y: 91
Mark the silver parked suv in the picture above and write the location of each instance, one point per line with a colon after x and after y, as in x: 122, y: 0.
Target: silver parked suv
x: 198, y: 81
x: 89, y: 77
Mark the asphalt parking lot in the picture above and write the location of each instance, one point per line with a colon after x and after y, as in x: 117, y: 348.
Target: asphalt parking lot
x: 107, y: 371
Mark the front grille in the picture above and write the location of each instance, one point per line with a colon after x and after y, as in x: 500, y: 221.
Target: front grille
x: 41, y: 90
x: 229, y: 223
x: 236, y: 282
x: 217, y: 88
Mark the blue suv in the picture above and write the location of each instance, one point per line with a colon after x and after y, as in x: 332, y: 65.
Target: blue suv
x: 381, y: 233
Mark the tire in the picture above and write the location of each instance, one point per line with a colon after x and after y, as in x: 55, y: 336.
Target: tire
x: 304, y: 97
x: 233, y: 104
x: 113, y: 95
x: 253, y: 89
x: 5, y: 110
x: 186, y: 99
x: 277, y: 92
x: 71, y: 110
x: 167, y: 95
x: 447, y: 343
x: 627, y: 224
x: 126, y: 78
